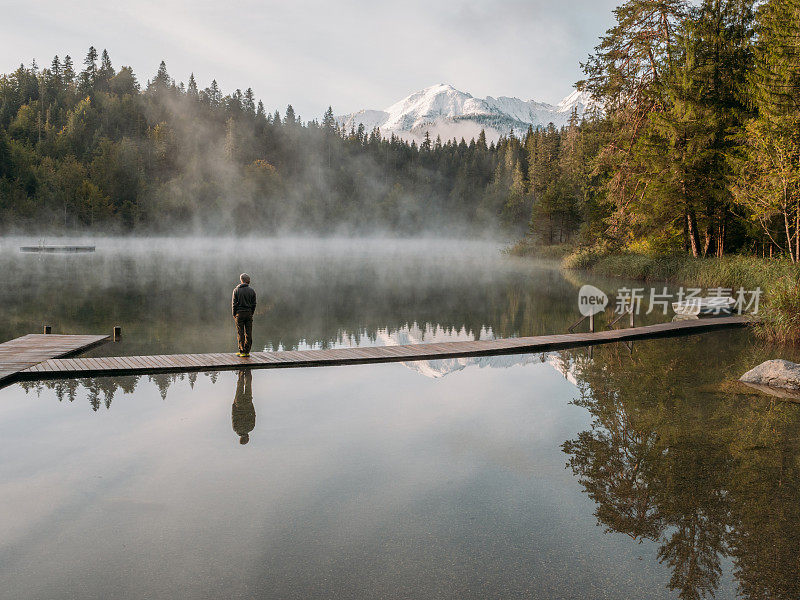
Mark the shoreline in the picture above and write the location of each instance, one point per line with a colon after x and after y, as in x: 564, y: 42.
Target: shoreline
x: 778, y: 278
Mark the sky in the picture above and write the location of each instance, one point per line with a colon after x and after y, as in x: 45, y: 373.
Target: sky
x: 349, y: 54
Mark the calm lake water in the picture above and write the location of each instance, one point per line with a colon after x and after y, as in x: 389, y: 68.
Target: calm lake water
x: 628, y: 471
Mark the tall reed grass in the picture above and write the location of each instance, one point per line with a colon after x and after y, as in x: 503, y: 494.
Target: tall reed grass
x: 778, y: 278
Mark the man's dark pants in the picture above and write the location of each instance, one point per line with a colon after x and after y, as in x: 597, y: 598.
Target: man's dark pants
x: 244, y: 330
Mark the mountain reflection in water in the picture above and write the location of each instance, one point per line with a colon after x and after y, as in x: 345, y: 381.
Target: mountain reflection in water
x: 685, y: 458
x: 101, y: 390
x: 174, y: 297
x: 686, y: 470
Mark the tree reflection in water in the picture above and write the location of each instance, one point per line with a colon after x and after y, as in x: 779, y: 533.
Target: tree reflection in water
x: 677, y: 453
x: 680, y: 454
x: 101, y: 390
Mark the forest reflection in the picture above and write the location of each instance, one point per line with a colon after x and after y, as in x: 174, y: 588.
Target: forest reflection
x: 688, y: 458
x: 678, y: 453
x: 100, y: 391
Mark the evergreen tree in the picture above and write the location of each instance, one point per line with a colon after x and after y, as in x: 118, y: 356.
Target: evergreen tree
x: 69, y: 71
x: 687, y: 197
x: 248, y: 103
x: 776, y: 77
x: 328, y: 120
x: 105, y: 72
x: 425, y: 146
x: 5, y: 157
x: 235, y: 103
x: 768, y: 163
x: 191, y: 88
x: 55, y: 67
x: 161, y: 82
x: 289, y: 119
x: 482, y: 140
x: 212, y: 94
x: 124, y: 82
x: 623, y: 75
x: 89, y: 73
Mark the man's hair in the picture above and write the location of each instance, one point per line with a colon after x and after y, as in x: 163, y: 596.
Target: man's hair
x: 244, y: 278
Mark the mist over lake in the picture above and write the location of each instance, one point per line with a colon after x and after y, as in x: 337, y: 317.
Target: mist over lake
x: 440, y: 478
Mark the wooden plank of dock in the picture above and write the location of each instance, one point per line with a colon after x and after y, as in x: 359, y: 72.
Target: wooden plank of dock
x: 31, y: 350
x: 55, y: 368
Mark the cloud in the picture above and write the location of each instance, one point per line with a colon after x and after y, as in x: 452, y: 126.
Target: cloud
x: 350, y: 54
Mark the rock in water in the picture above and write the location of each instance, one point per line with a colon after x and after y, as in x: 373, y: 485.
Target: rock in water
x: 782, y: 393
x: 774, y: 373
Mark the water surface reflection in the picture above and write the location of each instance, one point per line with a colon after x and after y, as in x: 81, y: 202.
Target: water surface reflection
x: 676, y: 454
x: 174, y: 296
x: 431, y: 479
x: 681, y: 454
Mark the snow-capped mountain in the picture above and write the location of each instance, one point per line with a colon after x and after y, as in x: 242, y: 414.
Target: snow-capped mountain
x: 445, y: 111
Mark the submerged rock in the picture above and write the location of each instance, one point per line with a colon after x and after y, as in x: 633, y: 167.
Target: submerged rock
x: 783, y: 393
x: 775, y: 374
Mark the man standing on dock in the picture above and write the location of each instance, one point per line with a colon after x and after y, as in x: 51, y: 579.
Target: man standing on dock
x: 243, y: 305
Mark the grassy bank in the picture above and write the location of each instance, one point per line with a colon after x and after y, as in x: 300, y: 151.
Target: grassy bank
x: 779, y: 279
x: 526, y: 248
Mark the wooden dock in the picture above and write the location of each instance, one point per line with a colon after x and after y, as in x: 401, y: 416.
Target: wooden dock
x: 29, y: 350
x: 45, y: 366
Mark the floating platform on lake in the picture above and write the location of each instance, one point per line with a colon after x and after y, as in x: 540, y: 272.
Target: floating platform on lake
x: 29, y: 350
x: 46, y: 365
x: 58, y: 249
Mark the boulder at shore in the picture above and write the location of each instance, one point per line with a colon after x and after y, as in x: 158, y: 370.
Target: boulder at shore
x: 774, y: 373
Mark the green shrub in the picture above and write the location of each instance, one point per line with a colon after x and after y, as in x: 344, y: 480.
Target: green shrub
x: 780, y: 316
x: 581, y: 259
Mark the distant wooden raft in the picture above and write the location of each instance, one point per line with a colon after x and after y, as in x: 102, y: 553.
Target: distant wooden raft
x: 140, y: 365
x: 54, y: 249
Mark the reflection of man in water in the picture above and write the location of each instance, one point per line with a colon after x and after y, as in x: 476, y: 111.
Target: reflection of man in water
x: 243, y: 414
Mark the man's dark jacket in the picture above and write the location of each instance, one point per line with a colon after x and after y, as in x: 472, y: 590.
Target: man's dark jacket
x: 244, y: 298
